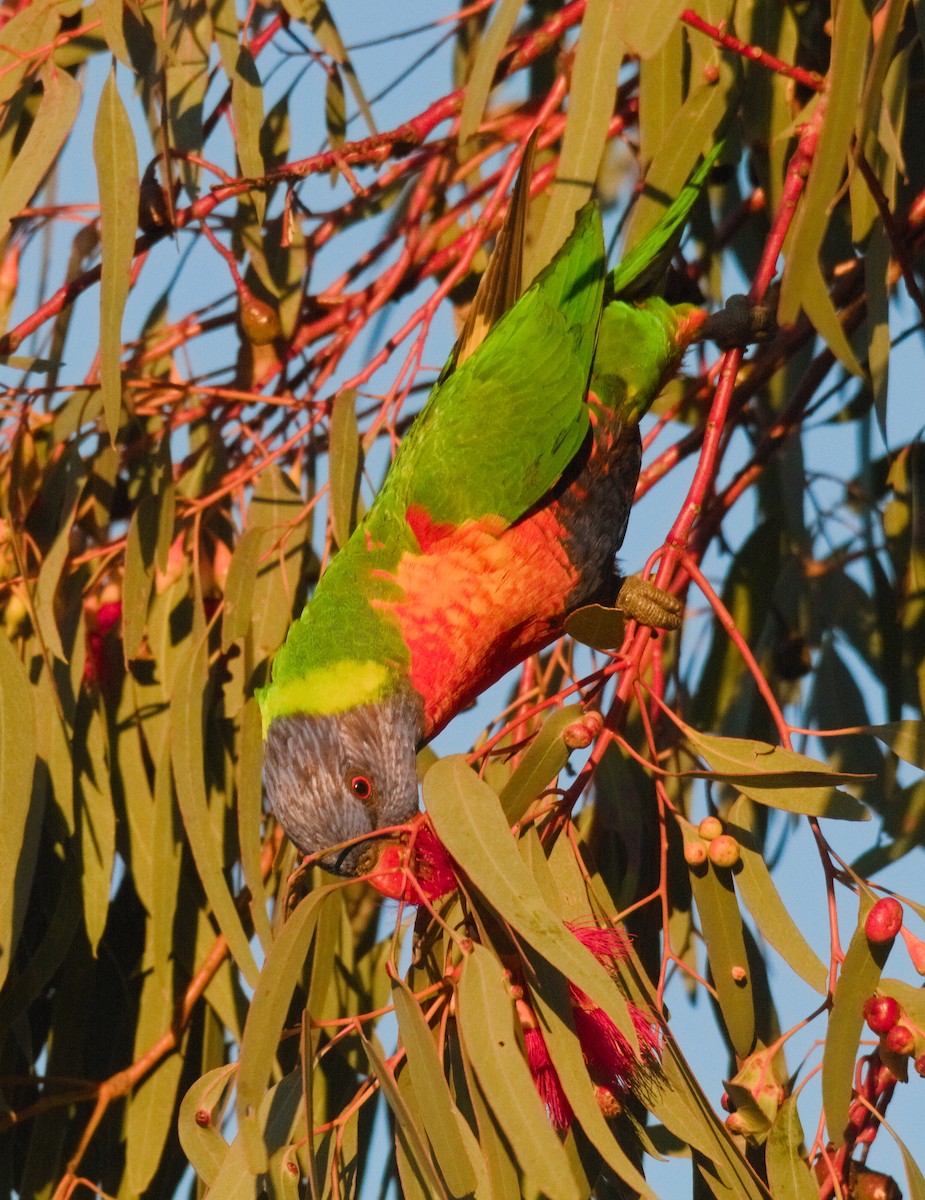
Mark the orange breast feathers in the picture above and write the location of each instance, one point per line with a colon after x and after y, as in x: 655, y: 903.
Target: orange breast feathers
x: 476, y: 601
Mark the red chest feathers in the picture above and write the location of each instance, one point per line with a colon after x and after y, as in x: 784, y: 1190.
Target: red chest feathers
x: 476, y: 601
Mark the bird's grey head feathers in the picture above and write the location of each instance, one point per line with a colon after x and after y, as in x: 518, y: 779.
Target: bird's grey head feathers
x: 334, y: 778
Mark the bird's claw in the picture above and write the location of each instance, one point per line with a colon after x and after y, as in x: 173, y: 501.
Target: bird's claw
x: 640, y: 600
x: 739, y: 323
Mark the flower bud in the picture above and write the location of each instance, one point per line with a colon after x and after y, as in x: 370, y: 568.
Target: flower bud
x: 881, y: 1013
x: 259, y: 320
x: 724, y: 851
x: 710, y: 828
x: 900, y: 1039
x: 884, y: 921
x: 695, y: 854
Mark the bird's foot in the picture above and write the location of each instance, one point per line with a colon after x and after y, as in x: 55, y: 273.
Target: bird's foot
x: 738, y: 323
x: 642, y: 601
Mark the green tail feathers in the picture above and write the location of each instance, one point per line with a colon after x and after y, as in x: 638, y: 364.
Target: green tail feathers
x: 641, y: 271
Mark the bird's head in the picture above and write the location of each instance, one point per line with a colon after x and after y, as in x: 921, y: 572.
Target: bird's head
x: 331, y: 779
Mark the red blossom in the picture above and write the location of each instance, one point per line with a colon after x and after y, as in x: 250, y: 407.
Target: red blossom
x: 546, y: 1079
x: 609, y: 1056
x: 424, y: 857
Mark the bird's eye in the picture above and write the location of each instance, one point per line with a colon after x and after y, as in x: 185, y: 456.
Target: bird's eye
x: 361, y: 787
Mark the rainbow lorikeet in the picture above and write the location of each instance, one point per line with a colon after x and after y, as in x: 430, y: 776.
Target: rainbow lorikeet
x: 502, y: 512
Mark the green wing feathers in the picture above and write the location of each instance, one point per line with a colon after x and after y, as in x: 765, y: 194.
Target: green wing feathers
x: 496, y: 435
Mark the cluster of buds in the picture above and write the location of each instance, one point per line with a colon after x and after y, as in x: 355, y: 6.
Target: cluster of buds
x: 898, y: 1033
x: 754, y: 1096
x: 612, y: 1064
x: 714, y: 843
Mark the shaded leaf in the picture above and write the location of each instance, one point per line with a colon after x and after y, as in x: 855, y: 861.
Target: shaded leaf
x: 408, y: 1129
x: 789, y: 1174
x: 187, y: 745
x: 272, y: 998
x: 17, y: 766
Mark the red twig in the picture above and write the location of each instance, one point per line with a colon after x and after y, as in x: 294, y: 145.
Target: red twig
x: 809, y: 79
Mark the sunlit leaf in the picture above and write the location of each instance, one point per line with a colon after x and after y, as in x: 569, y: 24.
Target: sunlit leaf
x: 470, y: 822
x: 859, y: 975
x: 721, y: 925
x: 117, y: 175
x: 756, y: 887
x: 480, y: 81
x: 546, y: 755
x: 486, y: 1021
x: 50, y: 129
x: 430, y: 1087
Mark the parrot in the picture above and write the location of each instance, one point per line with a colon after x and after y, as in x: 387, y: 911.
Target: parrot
x: 501, y: 513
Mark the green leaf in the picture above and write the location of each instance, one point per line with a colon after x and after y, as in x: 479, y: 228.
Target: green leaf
x: 272, y: 998
x: 487, y: 1032
x: 346, y: 465
x: 408, y: 1129
x: 188, y: 751
x: 149, y: 1115
x: 139, y: 574
x: 479, y: 85
x: 117, y: 174
x: 247, y: 107
x: 32, y: 29
x: 592, y: 98
x: 17, y: 766
x: 789, y: 1174
x: 239, y: 586
x: 914, y: 1176
x: 756, y: 887
x: 433, y: 1095
x: 648, y: 25
x: 544, y: 759
x: 599, y: 626
x: 249, y: 808
x: 50, y: 128
x: 335, y: 108
x: 198, y: 1124
x: 112, y: 14
x: 468, y: 818
x: 97, y: 821
x: 779, y: 778
x: 904, y: 738
x: 721, y: 925
x: 692, y: 129
x: 859, y: 976
x: 802, y: 280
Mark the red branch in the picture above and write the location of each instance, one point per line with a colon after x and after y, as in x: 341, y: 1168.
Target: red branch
x: 809, y: 79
